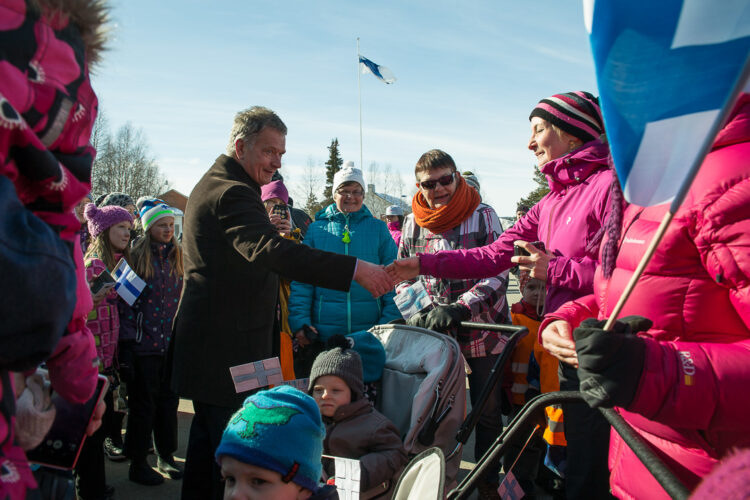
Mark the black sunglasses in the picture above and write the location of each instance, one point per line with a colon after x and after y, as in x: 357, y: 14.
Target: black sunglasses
x: 444, y: 181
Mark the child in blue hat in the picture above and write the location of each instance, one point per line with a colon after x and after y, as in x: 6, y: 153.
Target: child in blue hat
x: 271, y: 448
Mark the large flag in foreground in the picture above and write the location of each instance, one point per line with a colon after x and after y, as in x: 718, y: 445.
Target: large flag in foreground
x: 381, y: 72
x: 665, y: 71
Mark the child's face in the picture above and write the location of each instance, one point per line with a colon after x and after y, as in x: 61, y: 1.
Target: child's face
x: 330, y: 392
x: 119, y: 235
x: 247, y: 482
x: 162, y: 230
x: 534, y: 292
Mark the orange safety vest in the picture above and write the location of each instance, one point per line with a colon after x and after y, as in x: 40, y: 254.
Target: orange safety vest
x: 520, y: 359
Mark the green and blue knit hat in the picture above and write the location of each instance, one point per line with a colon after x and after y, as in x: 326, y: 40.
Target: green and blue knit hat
x: 153, y: 210
x: 280, y: 430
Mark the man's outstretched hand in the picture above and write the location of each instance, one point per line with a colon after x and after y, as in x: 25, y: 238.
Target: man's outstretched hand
x: 403, y: 269
x: 373, y: 278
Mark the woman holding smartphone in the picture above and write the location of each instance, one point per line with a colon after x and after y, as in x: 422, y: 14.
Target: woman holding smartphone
x: 567, y: 139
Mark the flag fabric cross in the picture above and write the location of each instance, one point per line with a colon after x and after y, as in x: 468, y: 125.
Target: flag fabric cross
x: 509, y: 488
x: 665, y: 71
x: 298, y: 383
x: 256, y: 374
x: 127, y: 284
x: 380, y: 72
x: 347, y: 478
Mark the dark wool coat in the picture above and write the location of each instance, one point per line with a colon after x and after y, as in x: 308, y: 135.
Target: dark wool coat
x: 232, y: 258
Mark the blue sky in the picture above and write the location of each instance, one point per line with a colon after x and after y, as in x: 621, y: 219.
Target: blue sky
x: 468, y: 75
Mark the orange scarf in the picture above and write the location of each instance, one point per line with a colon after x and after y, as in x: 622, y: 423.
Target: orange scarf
x: 464, y: 201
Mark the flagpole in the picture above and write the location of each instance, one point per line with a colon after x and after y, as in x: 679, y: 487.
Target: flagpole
x: 359, y: 88
x: 739, y: 85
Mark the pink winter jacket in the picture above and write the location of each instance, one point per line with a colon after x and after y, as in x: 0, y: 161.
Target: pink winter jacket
x: 569, y: 220
x: 692, y: 402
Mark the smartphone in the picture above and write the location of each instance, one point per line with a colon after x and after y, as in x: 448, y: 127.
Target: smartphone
x: 104, y: 280
x: 280, y: 210
x: 520, y: 251
x: 62, y: 444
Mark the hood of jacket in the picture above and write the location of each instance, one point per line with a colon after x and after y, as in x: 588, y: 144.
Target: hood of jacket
x: 576, y: 166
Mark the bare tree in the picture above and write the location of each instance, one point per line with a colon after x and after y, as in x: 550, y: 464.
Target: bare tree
x: 124, y: 163
x: 310, y: 184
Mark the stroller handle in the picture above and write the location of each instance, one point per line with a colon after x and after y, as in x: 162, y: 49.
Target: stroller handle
x: 509, y: 329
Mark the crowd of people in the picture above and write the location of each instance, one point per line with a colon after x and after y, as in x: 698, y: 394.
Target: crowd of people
x: 253, y: 278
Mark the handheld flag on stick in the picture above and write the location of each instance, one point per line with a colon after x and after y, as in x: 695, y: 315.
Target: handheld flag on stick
x: 668, y: 73
x: 380, y: 72
x: 347, y: 478
x: 256, y: 374
x: 127, y: 284
x: 298, y: 383
x: 509, y: 488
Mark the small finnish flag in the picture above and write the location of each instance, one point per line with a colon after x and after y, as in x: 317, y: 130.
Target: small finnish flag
x: 509, y: 488
x: 127, y: 284
x: 380, y: 72
x: 347, y: 478
x: 298, y: 383
x: 256, y: 375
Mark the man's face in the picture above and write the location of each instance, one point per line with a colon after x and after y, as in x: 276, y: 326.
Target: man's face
x: 439, y: 195
x: 261, y: 159
x: 247, y: 482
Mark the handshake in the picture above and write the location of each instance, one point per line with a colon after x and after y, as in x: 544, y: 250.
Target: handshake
x: 379, y: 280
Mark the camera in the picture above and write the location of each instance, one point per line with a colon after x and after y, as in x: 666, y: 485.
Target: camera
x: 520, y: 251
x: 280, y: 210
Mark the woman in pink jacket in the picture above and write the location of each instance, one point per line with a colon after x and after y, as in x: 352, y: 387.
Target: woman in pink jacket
x: 569, y: 220
x: 681, y: 381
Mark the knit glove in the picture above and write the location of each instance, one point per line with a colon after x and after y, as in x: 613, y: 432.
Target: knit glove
x: 417, y: 319
x: 445, y: 318
x: 610, y: 362
x: 34, y: 413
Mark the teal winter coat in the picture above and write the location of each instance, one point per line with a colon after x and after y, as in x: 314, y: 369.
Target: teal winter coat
x: 331, y: 311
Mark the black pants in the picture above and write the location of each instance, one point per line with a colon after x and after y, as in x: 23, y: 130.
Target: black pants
x: 202, y: 480
x: 490, y: 423
x: 152, y: 407
x: 89, y: 471
x: 587, y: 434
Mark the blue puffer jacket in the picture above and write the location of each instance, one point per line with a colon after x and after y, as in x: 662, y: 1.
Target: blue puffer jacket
x: 331, y: 311
x: 148, y: 323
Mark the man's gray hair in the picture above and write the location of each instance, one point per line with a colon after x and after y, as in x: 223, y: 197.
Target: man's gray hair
x: 249, y: 123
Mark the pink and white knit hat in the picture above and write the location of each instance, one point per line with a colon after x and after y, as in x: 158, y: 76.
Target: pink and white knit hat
x: 101, y: 219
x: 576, y: 113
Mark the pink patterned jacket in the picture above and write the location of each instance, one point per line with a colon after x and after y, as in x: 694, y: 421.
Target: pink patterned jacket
x: 104, y: 319
x: 691, y: 403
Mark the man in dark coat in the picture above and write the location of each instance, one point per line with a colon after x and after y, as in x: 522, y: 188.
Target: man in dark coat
x: 233, y: 255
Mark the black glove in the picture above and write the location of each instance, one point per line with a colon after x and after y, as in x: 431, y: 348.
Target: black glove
x: 444, y: 318
x: 417, y: 319
x: 610, y: 362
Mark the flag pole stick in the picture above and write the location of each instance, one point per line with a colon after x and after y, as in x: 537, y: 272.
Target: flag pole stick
x: 359, y: 88
x: 738, y: 88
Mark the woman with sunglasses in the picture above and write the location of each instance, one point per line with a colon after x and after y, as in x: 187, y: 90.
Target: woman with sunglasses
x: 347, y: 227
x: 568, y: 142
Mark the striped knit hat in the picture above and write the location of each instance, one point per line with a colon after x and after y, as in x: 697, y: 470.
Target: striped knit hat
x: 153, y: 210
x: 576, y: 113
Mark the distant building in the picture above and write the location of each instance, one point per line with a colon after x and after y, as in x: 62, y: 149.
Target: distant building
x: 378, y: 202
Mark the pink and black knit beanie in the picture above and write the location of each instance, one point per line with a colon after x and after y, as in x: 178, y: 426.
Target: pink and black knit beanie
x: 576, y: 113
x: 101, y: 219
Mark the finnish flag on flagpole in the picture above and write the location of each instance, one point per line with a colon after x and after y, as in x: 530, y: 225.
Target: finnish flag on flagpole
x: 127, y: 284
x: 381, y: 72
x: 665, y: 72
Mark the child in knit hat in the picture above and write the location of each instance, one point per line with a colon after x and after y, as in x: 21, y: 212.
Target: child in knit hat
x: 271, y: 448
x: 354, y: 429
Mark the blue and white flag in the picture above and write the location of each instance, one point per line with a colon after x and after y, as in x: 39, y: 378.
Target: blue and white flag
x: 665, y: 71
x: 127, y: 284
x: 381, y: 72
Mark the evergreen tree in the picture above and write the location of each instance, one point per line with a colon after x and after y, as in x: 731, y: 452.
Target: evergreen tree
x: 333, y: 165
x: 538, y: 193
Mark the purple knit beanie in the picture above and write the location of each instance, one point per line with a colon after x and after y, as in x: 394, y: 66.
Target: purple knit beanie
x: 101, y: 219
x: 275, y: 189
x: 576, y: 113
